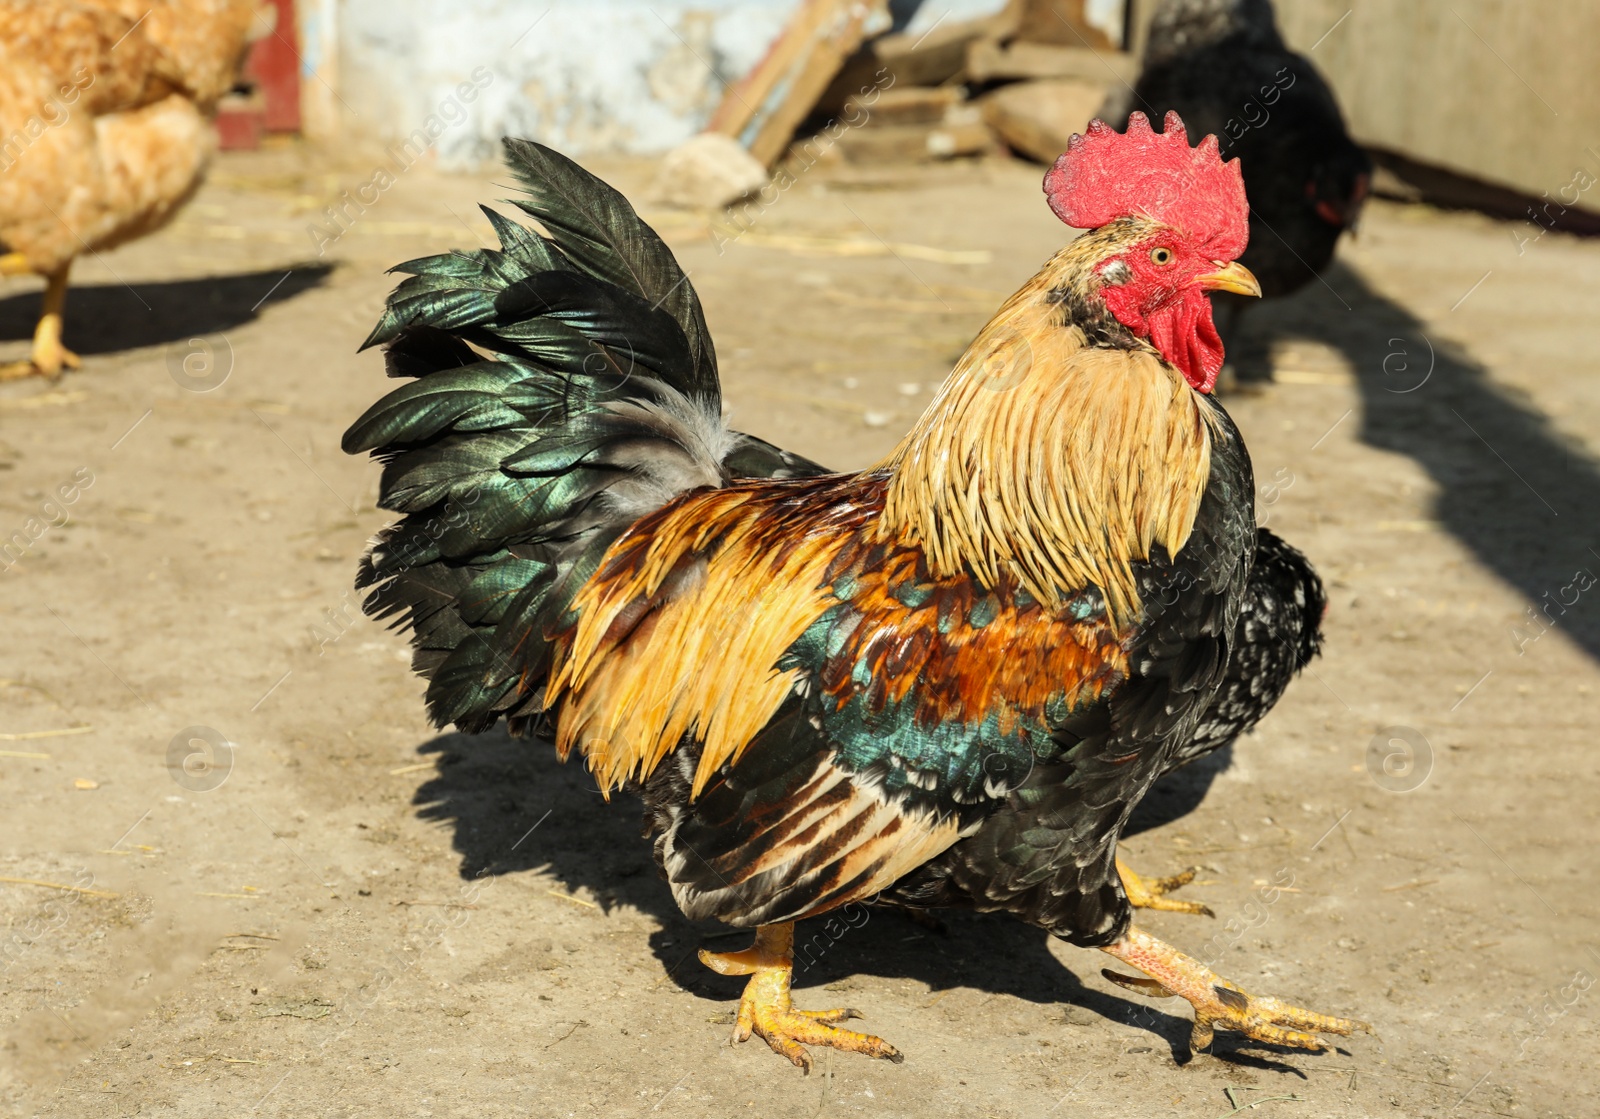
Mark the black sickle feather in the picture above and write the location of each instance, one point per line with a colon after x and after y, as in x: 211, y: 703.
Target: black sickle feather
x: 598, y: 369
x: 594, y: 225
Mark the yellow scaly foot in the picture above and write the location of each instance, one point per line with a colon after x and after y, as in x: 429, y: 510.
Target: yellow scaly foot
x: 49, y: 356
x: 766, y: 1010
x: 1219, y: 1004
x: 1150, y: 893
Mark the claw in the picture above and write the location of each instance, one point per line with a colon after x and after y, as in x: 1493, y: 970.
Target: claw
x: 1139, y: 983
x: 832, y: 1017
x: 744, y: 962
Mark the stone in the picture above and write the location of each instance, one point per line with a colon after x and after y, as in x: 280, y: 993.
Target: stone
x: 706, y: 173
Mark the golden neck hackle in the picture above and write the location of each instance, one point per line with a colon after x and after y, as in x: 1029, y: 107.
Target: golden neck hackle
x: 1049, y: 463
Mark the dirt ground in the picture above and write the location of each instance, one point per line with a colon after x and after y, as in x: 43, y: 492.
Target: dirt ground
x: 367, y: 918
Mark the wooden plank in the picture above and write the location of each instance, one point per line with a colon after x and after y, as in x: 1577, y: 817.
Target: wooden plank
x: 908, y: 105
x: 914, y: 143
x: 1059, y: 22
x: 989, y: 60
x: 833, y: 42
x: 935, y: 57
x: 763, y: 109
x: 930, y: 57
x: 1038, y: 118
x: 743, y: 100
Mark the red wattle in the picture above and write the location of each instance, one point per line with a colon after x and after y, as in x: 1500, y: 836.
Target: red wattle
x: 1186, y: 336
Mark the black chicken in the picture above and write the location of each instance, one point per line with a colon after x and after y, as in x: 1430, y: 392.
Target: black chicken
x: 1224, y: 67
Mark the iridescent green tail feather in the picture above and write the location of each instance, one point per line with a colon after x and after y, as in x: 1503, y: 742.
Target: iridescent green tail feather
x: 555, y: 390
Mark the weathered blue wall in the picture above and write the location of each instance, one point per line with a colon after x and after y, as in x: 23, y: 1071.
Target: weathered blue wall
x: 583, y: 75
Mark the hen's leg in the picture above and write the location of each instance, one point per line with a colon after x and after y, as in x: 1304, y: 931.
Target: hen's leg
x: 767, y: 1011
x: 1219, y: 1004
x: 1150, y: 893
x: 15, y: 264
x: 49, y: 355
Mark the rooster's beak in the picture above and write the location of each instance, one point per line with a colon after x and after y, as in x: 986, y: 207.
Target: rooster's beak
x: 1229, y: 277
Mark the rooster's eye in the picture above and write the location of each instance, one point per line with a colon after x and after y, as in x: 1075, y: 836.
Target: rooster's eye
x: 1161, y: 256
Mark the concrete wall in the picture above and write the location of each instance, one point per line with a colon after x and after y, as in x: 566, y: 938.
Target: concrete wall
x: 1503, y: 91
x: 1499, y: 90
x: 320, y: 111
x: 601, y: 75
x: 582, y: 75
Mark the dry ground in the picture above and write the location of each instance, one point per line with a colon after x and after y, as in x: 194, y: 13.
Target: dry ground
x: 370, y: 919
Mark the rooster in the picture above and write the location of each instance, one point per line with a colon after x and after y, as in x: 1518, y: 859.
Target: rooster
x: 1223, y: 66
x: 103, y: 131
x: 942, y: 681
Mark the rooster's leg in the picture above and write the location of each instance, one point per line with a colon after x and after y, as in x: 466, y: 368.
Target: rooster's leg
x: 767, y: 1011
x: 49, y: 357
x: 1150, y: 893
x: 1219, y: 1004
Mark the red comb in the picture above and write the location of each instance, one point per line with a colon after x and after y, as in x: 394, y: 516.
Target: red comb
x: 1104, y: 175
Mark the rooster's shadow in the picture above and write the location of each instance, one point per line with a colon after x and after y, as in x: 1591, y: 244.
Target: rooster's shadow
x: 515, y: 809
